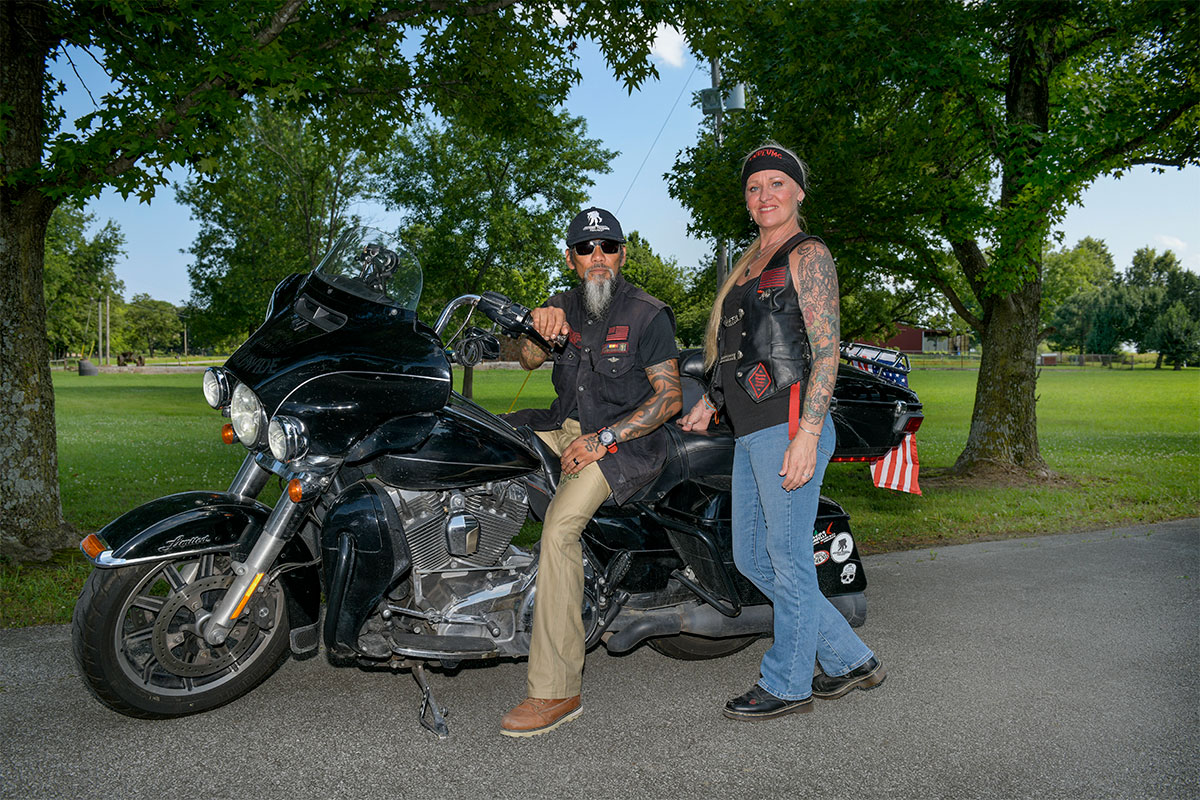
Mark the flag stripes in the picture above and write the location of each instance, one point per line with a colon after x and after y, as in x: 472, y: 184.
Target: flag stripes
x: 898, y: 469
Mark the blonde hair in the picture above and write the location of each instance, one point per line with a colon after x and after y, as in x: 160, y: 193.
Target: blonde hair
x: 752, y: 252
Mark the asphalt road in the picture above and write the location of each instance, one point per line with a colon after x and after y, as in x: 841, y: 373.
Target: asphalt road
x: 1053, y: 667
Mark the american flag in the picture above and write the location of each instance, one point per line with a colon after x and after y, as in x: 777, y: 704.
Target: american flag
x: 895, y: 376
x: 898, y: 469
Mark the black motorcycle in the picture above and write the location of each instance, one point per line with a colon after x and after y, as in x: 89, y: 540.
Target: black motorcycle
x: 401, y: 500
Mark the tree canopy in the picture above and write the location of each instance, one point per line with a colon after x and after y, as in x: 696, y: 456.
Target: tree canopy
x: 488, y: 209
x: 935, y: 128
x: 182, y: 72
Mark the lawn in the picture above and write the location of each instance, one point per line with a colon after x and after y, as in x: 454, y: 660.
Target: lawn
x: 1124, y: 445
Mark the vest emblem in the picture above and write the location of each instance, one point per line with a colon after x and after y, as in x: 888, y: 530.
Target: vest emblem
x: 771, y: 279
x: 615, y: 347
x: 759, y: 380
x: 617, y: 333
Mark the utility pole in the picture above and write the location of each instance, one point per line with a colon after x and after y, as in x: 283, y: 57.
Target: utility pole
x: 722, y: 252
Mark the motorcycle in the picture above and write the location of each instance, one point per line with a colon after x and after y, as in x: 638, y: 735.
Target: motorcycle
x: 400, y: 502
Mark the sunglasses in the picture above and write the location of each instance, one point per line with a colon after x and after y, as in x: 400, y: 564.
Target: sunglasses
x: 586, y: 248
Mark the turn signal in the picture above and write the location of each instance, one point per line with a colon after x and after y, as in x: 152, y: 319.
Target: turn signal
x: 913, y: 424
x: 295, y: 490
x: 227, y: 434
x: 91, y: 546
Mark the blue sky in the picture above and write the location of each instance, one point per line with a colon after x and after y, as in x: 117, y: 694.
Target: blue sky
x: 1139, y: 210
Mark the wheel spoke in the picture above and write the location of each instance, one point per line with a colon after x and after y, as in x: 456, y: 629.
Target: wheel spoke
x: 148, y: 603
x: 172, y: 576
x: 138, y: 636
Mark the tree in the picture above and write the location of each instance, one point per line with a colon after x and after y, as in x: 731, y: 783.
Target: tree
x: 1177, y: 334
x: 79, y: 272
x: 152, y: 323
x: 661, y: 277
x: 487, y: 210
x: 1088, y: 265
x: 938, y: 125
x: 271, y: 206
x: 1159, y: 282
x: 181, y: 72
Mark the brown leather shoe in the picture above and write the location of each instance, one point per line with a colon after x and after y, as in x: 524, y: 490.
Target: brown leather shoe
x: 536, y: 716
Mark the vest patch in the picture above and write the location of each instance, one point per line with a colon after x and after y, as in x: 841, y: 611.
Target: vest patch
x: 616, y: 347
x: 574, y: 337
x: 759, y: 380
x: 771, y: 279
x: 618, y: 333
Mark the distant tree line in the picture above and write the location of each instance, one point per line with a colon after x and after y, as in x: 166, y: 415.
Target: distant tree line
x: 1154, y: 305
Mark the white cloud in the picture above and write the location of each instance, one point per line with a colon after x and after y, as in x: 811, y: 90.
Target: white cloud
x: 1172, y: 243
x: 669, y: 45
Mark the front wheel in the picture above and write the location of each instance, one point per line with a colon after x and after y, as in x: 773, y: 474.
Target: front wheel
x: 138, y: 643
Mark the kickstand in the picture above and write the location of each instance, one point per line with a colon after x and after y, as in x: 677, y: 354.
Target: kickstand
x: 432, y: 716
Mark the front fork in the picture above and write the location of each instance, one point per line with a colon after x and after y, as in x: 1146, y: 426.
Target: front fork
x: 248, y: 482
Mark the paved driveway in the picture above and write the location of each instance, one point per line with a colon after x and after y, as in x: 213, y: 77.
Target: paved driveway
x: 1055, y: 667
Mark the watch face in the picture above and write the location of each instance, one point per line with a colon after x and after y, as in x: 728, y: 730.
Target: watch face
x: 607, y: 437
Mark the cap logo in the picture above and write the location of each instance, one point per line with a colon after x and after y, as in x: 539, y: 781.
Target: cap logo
x: 594, y: 223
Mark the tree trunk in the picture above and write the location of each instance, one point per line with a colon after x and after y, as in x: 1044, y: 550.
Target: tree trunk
x: 31, y: 521
x: 1004, y: 420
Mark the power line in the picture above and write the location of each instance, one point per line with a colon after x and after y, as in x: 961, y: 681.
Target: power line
x: 660, y: 131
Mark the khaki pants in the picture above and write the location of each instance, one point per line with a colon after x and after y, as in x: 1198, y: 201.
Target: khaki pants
x: 556, y: 647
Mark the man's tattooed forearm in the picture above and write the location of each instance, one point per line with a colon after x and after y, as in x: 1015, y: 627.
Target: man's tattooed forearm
x: 665, y: 403
x: 531, y: 355
x: 815, y: 277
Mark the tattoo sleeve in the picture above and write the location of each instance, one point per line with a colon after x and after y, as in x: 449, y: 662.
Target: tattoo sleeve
x: 531, y: 355
x: 815, y: 278
x: 665, y: 403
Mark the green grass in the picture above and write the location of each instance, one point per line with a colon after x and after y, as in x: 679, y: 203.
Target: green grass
x: 1125, y: 446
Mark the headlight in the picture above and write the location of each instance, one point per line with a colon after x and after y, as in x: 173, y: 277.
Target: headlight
x: 216, y: 387
x: 246, y: 414
x: 287, y: 438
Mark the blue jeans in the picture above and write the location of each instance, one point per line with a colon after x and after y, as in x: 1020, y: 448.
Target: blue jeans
x: 772, y: 546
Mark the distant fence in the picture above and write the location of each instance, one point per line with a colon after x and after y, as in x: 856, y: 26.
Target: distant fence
x: 1054, y: 360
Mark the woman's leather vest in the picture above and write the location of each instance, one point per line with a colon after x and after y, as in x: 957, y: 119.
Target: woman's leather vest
x: 775, y: 352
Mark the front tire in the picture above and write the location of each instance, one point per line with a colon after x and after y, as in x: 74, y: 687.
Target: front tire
x: 141, y: 653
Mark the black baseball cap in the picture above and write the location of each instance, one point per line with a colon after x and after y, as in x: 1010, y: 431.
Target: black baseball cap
x: 594, y: 223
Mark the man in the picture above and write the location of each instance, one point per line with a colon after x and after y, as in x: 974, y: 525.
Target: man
x: 617, y: 381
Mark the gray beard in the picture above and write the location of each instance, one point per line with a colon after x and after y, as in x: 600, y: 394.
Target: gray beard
x: 598, y: 296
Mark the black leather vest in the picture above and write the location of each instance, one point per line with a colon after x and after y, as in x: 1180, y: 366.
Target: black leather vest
x: 596, y: 377
x: 775, y: 352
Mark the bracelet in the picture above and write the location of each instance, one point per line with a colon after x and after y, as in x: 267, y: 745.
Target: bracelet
x: 806, y: 430
x: 708, y: 402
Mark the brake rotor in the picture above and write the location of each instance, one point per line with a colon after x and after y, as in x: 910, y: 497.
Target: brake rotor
x: 178, y: 644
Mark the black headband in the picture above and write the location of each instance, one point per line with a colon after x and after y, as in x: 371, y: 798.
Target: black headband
x: 773, y: 158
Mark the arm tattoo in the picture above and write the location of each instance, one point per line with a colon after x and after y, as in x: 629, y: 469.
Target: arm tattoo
x: 815, y: 277
x: 665, y: 403
x: 531, y: 356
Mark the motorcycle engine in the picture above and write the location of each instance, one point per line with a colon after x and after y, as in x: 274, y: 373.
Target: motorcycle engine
x: 461, y: 528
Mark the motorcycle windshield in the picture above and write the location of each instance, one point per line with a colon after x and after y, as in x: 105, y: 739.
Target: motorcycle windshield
x: 373, y: 265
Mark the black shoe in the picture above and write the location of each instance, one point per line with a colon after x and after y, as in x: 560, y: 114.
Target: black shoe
x: 868, y: 676
x: 758, y: 703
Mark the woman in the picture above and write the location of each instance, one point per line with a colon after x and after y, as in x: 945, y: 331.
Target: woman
x: 773, y: 338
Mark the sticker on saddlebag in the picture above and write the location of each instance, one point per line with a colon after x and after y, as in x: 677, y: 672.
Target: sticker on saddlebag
x: 842, y: 547
x: 820, y: 557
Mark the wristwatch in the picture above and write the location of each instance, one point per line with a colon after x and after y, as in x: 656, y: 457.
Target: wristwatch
x: 608, y: 439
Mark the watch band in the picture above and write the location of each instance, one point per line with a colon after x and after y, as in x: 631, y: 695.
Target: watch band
x: 610, y: 445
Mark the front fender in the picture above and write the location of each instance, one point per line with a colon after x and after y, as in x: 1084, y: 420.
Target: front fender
x: 180, y: 525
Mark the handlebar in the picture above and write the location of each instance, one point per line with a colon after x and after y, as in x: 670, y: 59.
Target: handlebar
x: 513, y: 318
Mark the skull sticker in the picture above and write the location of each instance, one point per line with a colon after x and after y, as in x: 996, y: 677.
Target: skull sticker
x: 848, y: 573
